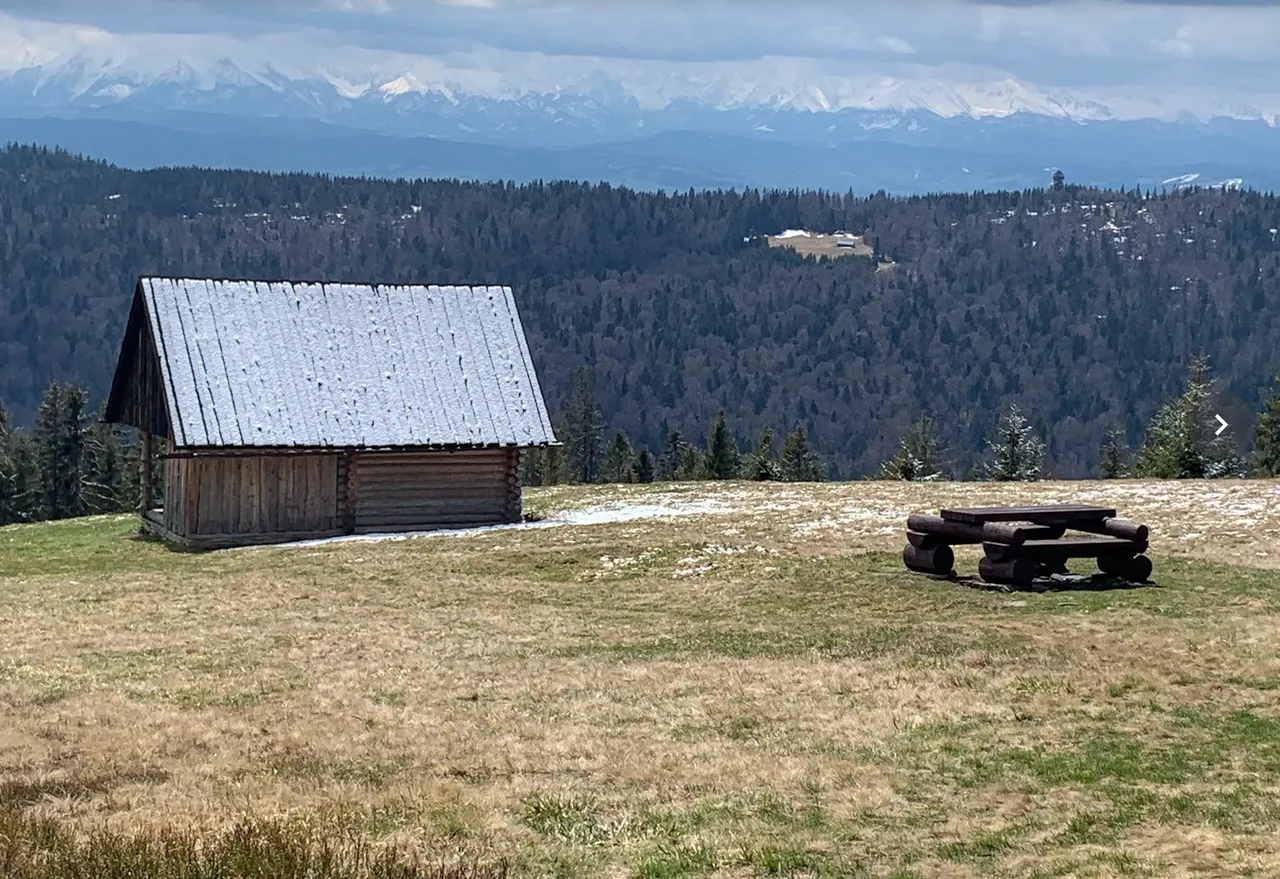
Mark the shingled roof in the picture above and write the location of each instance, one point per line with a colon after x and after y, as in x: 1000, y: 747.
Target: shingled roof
x: 284, y: 364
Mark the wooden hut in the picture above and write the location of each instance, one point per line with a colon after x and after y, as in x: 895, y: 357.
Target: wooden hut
x: 290, y: 410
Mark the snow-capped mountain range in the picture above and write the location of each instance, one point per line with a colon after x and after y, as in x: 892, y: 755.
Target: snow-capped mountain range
x: 525, y: 101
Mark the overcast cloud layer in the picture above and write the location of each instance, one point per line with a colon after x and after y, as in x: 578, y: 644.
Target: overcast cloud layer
x: 1225, y: 51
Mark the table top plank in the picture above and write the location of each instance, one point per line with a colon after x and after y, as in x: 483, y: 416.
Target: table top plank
x: 1049, y: 512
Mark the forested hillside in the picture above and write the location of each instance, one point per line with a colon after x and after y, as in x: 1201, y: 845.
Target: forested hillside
x: 1083, y: 307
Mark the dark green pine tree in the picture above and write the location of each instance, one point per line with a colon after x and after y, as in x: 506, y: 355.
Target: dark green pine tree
x: 1115, y: 454
x: 619, y: 460
x: 530, y: 470
x: 722, y: 451
x: 644, y: 466
x: 798, y: 464
x: 584, y: 426
x: 920, y: 454
x: 693, y: 464
x: 553, y: 465
x: 60, y: 447
x: 1182, y: 442
x: 12, y: 502
x: 19, y: 479
x: 671, y: 457
x: 1266, y: 445
x: 761, y: 465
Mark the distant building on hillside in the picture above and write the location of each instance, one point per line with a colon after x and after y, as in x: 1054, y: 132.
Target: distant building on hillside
x: 846, y: 242
x: 1059, y: 179
x: 304, y: 410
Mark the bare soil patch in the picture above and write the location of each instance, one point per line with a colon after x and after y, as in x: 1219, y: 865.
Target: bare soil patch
x: 815, y: 244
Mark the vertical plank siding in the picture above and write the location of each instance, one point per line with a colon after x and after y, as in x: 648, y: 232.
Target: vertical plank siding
x: 175, y: 493
x: 241, y: 495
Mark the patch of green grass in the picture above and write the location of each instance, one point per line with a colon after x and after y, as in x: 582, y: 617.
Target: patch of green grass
x: 986, y: 845
x: 566, y: 818
x: 679, y: 862
x: 93, y: 545
x: 1264, y: 684
x: 1192, y: 767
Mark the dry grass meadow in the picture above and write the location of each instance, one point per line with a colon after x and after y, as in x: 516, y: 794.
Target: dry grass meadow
x: 733, y: 680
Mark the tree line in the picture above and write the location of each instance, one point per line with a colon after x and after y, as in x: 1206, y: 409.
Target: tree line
x: 1184, y: 440
x: 585, y: 457
x: 1081, y: 306
x: 71, y: 463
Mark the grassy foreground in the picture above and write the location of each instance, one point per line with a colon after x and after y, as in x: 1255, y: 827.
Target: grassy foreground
x: 759, y: 689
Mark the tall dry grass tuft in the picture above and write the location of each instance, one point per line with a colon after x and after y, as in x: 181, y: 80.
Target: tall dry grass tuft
x: 33, y: 846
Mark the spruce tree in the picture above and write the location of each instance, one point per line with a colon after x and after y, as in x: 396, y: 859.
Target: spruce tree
x: 798, y: 464
x: 11, y: 503
x: 1114, y: 456
x: 762, y: 463
x: 722, y: 452
x: 671, y: 457
x: 1182, y: 441
x: 644, y: 466
x: 583, y: 428
x: 553, y: 464
x: 1017, y: 453
x: 19, y: 479
x: 60, y: 448
x: 1266, y: 446
x: 693, y: 464
x: 618, y: 460
x: 919, y: 455
x: 530, y: 469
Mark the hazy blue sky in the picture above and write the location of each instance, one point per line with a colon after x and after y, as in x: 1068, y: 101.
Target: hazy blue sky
x: 1225, y: 47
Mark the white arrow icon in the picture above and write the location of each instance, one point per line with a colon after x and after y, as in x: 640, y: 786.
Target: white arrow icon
x: 1219, y: 431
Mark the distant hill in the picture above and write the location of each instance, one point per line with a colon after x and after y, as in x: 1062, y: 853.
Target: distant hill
x: 1083, y: 306
x: 948, y: 155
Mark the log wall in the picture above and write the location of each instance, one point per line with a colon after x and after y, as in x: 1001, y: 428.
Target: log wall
x: 419, y: 491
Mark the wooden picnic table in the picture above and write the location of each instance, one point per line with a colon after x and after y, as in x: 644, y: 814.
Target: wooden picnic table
x: 1023, y: 543
x: 1048, y: 513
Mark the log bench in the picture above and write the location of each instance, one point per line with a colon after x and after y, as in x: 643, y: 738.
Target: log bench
x: 1020, y: 544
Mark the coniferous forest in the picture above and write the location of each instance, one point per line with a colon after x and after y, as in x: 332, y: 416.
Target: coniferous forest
x: 1086, y: 313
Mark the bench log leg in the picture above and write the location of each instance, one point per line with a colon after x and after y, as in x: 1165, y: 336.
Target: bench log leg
x: 1014, y: 571
x: 939, y: 560
x: 1135, y: 569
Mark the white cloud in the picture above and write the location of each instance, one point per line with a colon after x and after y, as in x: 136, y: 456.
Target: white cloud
x: 1142, y: 58
x: 896, y: 45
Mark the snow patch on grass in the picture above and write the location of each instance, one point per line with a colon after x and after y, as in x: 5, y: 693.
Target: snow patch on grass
x: 597, y: 514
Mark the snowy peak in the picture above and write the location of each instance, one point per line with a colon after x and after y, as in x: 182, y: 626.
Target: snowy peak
x: 69, y: 63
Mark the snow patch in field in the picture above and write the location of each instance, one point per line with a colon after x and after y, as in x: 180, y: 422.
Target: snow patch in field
x: 604, y: 514
x: 599, y: 514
